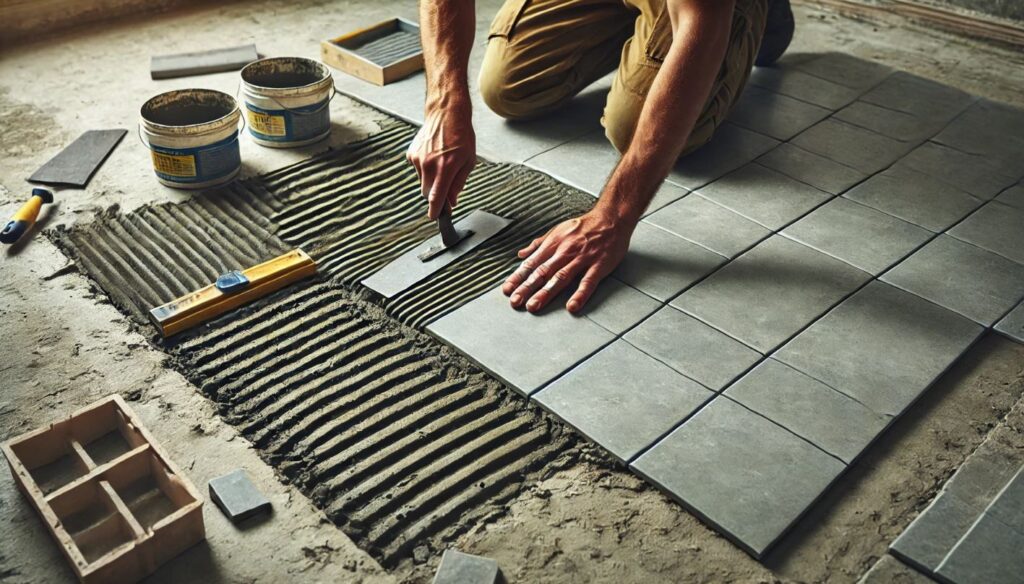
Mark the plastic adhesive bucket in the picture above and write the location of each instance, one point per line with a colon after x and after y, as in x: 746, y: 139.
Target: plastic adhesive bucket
x: 288, y: 100
x: 192, y: 135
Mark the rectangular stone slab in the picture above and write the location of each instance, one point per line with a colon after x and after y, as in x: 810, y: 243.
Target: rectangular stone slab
x: 201, y: 62
x: 76, y: 164
x: 407, y: 269
x: 236, y: 496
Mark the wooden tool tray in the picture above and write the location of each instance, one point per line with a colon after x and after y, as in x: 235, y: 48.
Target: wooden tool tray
x: 113, y: 500
x: 380, y: 54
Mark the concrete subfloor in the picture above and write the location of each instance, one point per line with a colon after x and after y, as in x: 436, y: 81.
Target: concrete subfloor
x: 66, y: 346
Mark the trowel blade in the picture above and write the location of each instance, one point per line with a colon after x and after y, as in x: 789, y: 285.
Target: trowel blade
x: 440, y: 249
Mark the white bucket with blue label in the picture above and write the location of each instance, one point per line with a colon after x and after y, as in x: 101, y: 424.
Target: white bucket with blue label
x: 287, y: 101
x: 192, y: 135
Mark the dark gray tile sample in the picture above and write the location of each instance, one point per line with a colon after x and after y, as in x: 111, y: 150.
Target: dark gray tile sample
x: 962, y: 277
x: 923, y: 98
x: 236, y: 496
x: 803, y: 86
x: 915, y: 197
x: 692, y: 348
x: 812, y: 169
x: 902, y: 126
x: 524, y: 350
x: 740, y: 472
x: 459, y: 568
x: 623, y: 399
x: 846, y: 70
x: 995, y: 227
x: 201, y: 62
x: 990, y: 553
x: 989, y: 128
x: 1013, y: 196
x: 975, y: 174
x: 768, y: 294
x: 763, y: 195
x: 1012, y: 325
x: 882, y: 346
x: 803, y: 405
x: 845, y: 143
x: 1008, y: 506
x: 774, y: 114
x: 859, y: 235
x: 617, y: 306
x: 731, y: 148
x: 76, y: 163
x: 662, y: 265
x: 408, y: 269
x: 709, y: 224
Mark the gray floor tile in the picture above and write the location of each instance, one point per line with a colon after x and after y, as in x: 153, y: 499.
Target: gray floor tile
x: 995, y: 227
x: 803, y: 405
x: 868, y: 239
x: 617, y: 306
x: 990, y: 553
x: 709, y: 224
x: 862, y: 149
x: 662, y: 265
x: 731, y: 148
x: 666, y: 195
x: 584, y: 163
x: 962, y: 277
x: 524, y: 350
x: 1012, y: 325
x: 740, y: 472
x: 692, y: 348
x: 1008, y: 506
x: 763, y: 195
x: 403, y: 99
x: 803, y: 86
x: 923, y: 98
x: 771, y: 292
x: 915, y: 197
x: 1013, y: 196
x: 989, y: 128
x: 882, y: 346
x: 902, y: 126
x: 847, y: 70
x: 622, y: 399
x: 812, y: 169
x: 774, y: 114
x: 972, y: 173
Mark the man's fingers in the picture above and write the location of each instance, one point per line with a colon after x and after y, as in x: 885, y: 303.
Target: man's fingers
x: 526, y: 251
x: 585, y: 290
x: 539, y: 278
x: 459, y: 183
x: 526, y: 268
x: 554, y: 286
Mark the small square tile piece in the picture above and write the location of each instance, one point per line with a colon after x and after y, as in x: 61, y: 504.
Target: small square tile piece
x: 623, y: 399
x: 845, y: 143
x: 459, y: 568
x: 975, y: 174
x: 662, y: 265
x: 763, y: 195
x: 996, y: 227
x: 989, y: 128
x: 990, y: 553
x: 812, y: 169
x: 731, y: 148
x: 774, y: 114
x: 616, y: 306
x: 803, y: 86
x: 902, y: 126
x: 914, y: 197
x: 923, y: 98
x: 740, y: 472
x: 236, y: 496
x: 710, y: 225
x: 583, y: 163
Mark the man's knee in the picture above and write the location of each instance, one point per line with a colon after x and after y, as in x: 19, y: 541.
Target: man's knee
x: 499, y: 84
x: 619, y: 131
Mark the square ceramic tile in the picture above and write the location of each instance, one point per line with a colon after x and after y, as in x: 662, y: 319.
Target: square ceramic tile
x: 812, y: 169
x: 740, y: 472
x: 622, y: 399
x: 763, y: 195
x: 845, y: 143
x: 989, y: 128
x: 524, y: 350
x: 996, y: 227
x: 803, y: 405
x: 990, y: 553
x: 616, y: 306
x: 662, y: 265
x: 584, y: 163
x: 920, y: 97
x: 692, y: 348
x: 1013, y: 196
x: 731, y: 148
x: 902, y: 126
x: 1012, y: 325
x: 666, y: 195
x: 962, y: 277
x: 882, y: 346
x: 774, y: 114
x: 768, y: 294
x: 975, y: 174
x: 710, y: 225
x: 1008, y: 506
x: 914, y: 197
x: 846, y: 70
x: 858, y: 235
x: 803, y: 86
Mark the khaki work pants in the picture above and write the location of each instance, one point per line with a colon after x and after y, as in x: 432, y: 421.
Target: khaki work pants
x: 541, y: 53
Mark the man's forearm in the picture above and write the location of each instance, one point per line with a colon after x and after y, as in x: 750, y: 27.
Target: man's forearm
x: 448, y: 27
x: 700, y: 33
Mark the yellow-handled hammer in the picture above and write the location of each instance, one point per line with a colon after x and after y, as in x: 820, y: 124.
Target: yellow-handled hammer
x: 26, y: 216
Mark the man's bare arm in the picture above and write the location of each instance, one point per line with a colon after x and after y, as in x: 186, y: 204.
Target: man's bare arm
x: 593, y: 244
x: 444, y: 149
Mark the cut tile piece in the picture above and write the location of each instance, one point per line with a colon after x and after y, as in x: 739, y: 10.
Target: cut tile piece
x: 768, y: 294
x: 763, y: 195
x: 923, y: 98
x: 662, y: 265
x: 989, y: 128
x: 990, y: 553
x: 996, y: 227
x: 710, y: 225
x: 76, y: 163
x: 846, y: 70
x: 459, y: 568
x: 803, y: 86
x: 525, y: 350
x: 882, y: 346
x: 962, y: 277
x: 812, y: 169
x: 868, y: 239
x: 975, y: 174
x: 1008, y: 506
x: 408, y: 269
x: 740, y: 472
x: 692, y: 348
x: 236, y: 496
x: 616, y: 306
x: 1012, y: 324
x: 902, y: 126
x: 830, y: 420
x: 731, y: 148
x: 774, y: 114
x: 914, y: 197
x: 623, y: 399
x: 856, y: 147
x: 1013, y: 196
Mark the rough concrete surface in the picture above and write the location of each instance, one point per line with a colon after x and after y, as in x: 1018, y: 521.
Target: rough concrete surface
x: 592, y: 521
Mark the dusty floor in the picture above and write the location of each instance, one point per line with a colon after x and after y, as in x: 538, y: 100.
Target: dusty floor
x: 66, y: 346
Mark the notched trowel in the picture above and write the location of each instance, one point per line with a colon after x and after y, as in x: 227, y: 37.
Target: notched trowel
x: 450, y: 237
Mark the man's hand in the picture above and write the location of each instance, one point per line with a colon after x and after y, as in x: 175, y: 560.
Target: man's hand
x: 444, y: 152
x: 589, y: 246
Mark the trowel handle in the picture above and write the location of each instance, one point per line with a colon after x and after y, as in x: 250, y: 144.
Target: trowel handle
x: 444, y: 223
x: 25, y: 217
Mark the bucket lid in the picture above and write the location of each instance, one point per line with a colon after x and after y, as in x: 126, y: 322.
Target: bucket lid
x: 194, y: 109
x: 285, y: 73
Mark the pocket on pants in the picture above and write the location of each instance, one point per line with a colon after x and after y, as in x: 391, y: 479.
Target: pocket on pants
x: 505, y: 21
x: 660, y: 39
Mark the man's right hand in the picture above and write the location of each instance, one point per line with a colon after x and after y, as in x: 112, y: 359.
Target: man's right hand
x: 444, y: 152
